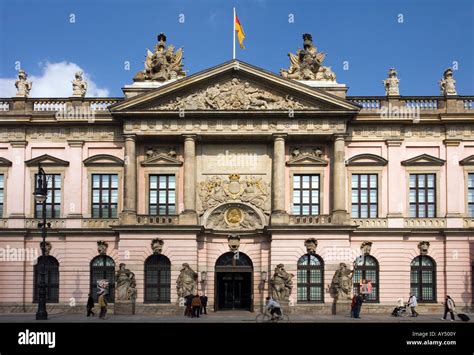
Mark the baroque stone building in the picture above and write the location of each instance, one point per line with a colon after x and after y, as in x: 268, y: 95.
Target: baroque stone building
x: 239, y: 183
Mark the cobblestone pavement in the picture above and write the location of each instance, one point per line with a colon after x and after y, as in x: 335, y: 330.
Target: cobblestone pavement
x: 223, y: 317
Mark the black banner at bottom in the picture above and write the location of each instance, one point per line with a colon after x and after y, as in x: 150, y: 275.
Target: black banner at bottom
x: 101, y: 338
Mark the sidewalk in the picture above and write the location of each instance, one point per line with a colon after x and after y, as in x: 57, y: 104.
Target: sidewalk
x: 221, y: 317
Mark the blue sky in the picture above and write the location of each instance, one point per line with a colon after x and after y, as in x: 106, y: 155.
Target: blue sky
x: 367, y: 34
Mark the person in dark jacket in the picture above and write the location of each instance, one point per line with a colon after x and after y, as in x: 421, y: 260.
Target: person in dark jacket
x: 203, y: 304
x: 359, y: 300
x: 90, y: 306
x: 188, y: 310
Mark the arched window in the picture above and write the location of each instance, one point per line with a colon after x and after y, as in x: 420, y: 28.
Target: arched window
x: 103, y: 268
x: 367, y: 268
x: 423, y: 278
x: 310, y: 279
x: 52, y: 278
x: 157, y: 279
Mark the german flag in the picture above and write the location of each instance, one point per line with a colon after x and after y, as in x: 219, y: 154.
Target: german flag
x: 240, y: 32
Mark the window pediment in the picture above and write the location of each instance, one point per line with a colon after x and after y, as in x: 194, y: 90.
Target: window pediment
x: 366, y: 160
x: 161, y: 160
x: 423, y: 160
x: 467, y: 161
x: 103, y: 160
x: 5, y: 162
x: 46, y: 160
x: 307, y: 160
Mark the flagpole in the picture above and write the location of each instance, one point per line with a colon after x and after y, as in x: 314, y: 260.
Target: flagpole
x: 233, y: 37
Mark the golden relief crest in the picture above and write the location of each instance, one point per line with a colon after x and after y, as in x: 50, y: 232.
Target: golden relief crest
x: 216, y: 190
x: 233, y: 216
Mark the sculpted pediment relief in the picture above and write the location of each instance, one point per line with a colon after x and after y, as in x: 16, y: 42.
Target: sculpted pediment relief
x: 467, y: 161
x: 234, y: 86
x: 234, y: 94
x: 307, y: 160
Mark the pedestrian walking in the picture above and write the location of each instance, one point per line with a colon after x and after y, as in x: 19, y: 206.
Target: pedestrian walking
x: 203, y: 304
x: 449, y: 306
x: 412, y: 303
x: 196, y: 304
x: 188, y: 310
x: 102, y: 305
x: 90, y: 306
x: 353, y: 305
x: 358, y: 305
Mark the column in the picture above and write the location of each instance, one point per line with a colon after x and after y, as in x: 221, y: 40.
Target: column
x: 73, y: 180
x: 17, y: 202
x: 339, y: 211
x: 279, y: 215
x: 129, y: 213
x: 455, y: 196
x: 189, y: 215
x: 396, y: 187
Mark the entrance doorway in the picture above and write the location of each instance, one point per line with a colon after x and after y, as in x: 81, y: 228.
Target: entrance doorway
x: 234, y: 280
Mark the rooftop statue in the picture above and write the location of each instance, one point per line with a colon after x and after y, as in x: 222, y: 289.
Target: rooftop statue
x: 162, y: 65
x: 447, y: 85
x: 79, y: 85
x: 391, y: 83
x: 23, y: 86
x: 306, y: 64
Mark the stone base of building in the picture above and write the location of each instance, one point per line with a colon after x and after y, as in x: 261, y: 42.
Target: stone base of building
x: 173, y: 309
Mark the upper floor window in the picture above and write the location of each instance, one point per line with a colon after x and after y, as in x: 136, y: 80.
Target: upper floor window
x: 306, y: 194
x: 53, y: 198
x: 364, y: 196
x: 470, y: 195
x: 422, y: 195
x: 104, y: 195
x: 2, y: 192
x: 162, y: 199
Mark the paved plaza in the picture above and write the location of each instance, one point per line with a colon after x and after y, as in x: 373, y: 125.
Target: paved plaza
x: 222, y: 317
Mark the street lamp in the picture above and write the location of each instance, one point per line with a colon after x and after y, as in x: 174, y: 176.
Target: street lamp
x: 41, y: 193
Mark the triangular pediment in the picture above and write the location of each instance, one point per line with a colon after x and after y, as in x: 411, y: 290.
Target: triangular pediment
x: 424, y: 160
x: 307, y: 160
x: 46, y: 160
x: 234, y: 86
x: 366, y: 160
x: 103, y: 160
x: 467, y: 161
x: 161, y: 160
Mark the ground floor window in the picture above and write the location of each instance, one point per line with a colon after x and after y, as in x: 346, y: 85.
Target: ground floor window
x: 102, y: 268
x: 423, y: 278
x: 51, y: 278
x: 310, y: 279
x: 157, y: 279
x: 366, y: 277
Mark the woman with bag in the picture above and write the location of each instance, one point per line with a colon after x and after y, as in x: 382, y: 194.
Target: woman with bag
x: 449, y: 306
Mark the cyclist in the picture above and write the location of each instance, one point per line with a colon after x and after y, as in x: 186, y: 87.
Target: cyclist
x: 274, y: 307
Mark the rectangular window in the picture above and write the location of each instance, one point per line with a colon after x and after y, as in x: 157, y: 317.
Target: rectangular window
x: 104, y: 195
x: 470, y: 195
x: 162, y: 195
x: 364, y: 196
x: 53, y: 197
x: 422, y: 196
x: 2, y: 193
x: 306, y: 195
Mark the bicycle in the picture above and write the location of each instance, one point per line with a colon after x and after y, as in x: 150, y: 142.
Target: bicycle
x: 266, y: 317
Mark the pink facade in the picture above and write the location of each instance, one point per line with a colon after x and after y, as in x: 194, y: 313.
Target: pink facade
x: 195, y: 232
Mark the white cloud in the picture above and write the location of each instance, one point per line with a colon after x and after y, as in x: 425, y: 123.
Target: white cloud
x: 54, y: 81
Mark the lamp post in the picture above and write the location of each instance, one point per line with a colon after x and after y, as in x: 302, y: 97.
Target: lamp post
x: 41, y: 193
x: 263, y: 276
